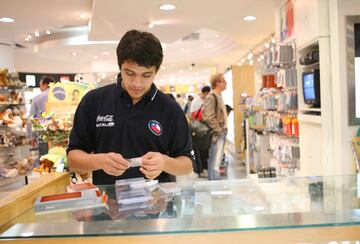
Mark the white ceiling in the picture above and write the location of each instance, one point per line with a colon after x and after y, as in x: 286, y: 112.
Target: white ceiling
x: 223, y: 35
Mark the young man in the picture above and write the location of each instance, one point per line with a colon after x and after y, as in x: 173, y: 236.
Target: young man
x: 38, y: 103
x: 216, y: 117
x: 131, y: 119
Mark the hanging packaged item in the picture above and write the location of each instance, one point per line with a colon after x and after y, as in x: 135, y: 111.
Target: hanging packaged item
x: 295, y: 127
x: 268, y: 81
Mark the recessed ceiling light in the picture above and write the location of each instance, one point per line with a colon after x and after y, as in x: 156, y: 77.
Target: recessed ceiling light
x: 249, y: 18
x: 95, y: 57
x: 7, y: 20
x: 83, y: 16
x: 27, y: 39
x: 48, y: 32
x: 182, y: 49
x: 74, y: 53
x: 151, y: 25
x: 167, y: 7
x: 37, y: 33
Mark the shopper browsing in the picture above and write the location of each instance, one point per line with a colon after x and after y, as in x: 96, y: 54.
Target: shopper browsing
x: 131, y: 123
x: 216, y: 117
x: 38, y: 106
x: 198, y: 101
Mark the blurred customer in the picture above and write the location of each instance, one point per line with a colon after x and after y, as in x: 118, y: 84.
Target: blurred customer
x: 180, y: 100
x: 198, y: 101
x: 188, y: 104
x: 37, y: 108
x: 216, y: 117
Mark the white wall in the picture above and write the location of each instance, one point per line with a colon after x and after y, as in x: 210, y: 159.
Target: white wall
x: 338, y: 9
x: 26, y: 62
x: 6, y: 52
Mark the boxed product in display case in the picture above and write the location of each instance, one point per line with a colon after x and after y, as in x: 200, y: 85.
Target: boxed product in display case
x: 84, y: 186
x: 132, y: 193
x: 70, y: 201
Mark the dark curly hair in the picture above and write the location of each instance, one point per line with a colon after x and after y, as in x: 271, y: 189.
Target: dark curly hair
x: 141, y: 47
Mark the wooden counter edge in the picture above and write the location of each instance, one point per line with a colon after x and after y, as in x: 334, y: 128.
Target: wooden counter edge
x: 23, y: 199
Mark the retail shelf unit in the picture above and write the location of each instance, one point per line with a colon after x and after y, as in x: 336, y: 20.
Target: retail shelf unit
x: 15, y: 159
x: 273, y: 124
x: 316, y: 122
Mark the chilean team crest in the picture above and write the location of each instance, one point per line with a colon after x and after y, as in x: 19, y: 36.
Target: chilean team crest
x: 155, y: 127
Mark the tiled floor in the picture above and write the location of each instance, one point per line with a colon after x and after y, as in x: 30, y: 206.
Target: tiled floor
x: 236, y: 168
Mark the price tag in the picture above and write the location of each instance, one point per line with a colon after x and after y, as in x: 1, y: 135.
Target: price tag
x: 60, y: 168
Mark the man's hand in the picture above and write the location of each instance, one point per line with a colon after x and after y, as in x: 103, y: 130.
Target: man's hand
x: 112, y: 163
x: 152, y: 164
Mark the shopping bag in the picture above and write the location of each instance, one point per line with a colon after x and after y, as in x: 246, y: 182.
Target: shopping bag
x: 200, y: 134
x: 199, y: 128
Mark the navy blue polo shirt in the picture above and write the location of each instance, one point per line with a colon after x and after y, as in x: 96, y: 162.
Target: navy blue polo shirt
x: 107, y: 121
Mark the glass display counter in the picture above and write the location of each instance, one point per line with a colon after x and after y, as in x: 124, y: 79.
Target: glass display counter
x: 309, y: 209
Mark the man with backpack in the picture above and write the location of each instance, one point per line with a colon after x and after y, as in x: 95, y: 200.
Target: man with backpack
x: 215, y: 116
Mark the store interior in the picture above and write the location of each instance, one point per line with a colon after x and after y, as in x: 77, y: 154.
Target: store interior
x: 292, y: 70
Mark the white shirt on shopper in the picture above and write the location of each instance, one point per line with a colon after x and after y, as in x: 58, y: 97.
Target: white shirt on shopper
x: 196, y: 103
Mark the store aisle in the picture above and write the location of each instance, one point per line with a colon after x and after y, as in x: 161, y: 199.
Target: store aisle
x: 236, y: 167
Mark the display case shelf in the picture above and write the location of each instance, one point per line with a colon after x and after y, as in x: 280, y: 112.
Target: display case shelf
x: 273, y: 206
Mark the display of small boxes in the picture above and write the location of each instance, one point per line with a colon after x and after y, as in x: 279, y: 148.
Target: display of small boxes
x: 70, y: 201
x: 132, y: 193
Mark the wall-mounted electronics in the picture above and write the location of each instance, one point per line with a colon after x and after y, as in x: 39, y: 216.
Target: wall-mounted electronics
x: 30, y: 80
x: 311, y: 88
x: 353, y: 67
x: 310, y: 58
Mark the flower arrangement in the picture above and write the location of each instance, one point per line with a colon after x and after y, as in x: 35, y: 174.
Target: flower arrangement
x: 54, y: 130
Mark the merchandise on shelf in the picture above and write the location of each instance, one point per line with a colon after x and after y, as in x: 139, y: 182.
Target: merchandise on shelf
x: 10, y: 80
x: 278, y: 107
x: 52, y: 129
x: 15, y: 158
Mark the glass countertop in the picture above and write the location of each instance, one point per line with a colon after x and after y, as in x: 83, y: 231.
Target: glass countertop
x: 209, y: 206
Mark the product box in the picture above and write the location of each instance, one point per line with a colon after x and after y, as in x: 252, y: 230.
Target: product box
x: 132, y: 191
x: 70, y: 201
x: 81, y: 187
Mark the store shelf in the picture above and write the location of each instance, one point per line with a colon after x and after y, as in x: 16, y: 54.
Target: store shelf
x: 315, y: 119
x: 308, y: 109
x: 258, y: 127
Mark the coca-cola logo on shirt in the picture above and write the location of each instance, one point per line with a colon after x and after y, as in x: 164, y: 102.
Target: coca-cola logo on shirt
x: 105, y: 121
